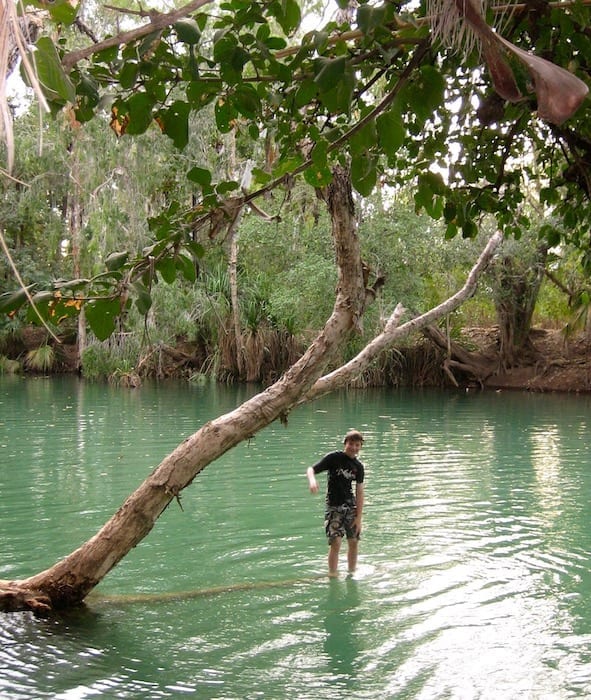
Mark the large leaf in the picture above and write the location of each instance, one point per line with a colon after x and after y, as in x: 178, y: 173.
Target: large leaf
x: 288, y: 14
x: 225, y: 114
x: 187, y: 30
x: 201, y: 176
x: 201, y: 93
x: 247, y: 101
x: 139, y: 111
x: 364, y: 174
x: 11, y: 301
x: 143, y: 299
x: 101, y: 315
x: 391, y: 131
x: 329, y: 71
x: 115, y: 261
x: 61, y: 11
x: 174, y: 122
x: 167, y: 268
x: 186, y: 266
x: 54, y: 81
x: 370, y: 18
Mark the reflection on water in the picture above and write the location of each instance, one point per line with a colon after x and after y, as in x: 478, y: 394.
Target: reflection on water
x: 343, y: 623
x: 474, y: 579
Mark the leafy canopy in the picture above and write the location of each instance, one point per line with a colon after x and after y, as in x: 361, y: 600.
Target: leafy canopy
x: 372, y: 88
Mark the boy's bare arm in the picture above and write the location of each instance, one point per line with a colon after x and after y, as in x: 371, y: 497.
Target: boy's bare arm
x: 312, y: 483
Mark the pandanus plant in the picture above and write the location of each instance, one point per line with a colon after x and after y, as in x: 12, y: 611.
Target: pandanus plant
x: 460, y: 23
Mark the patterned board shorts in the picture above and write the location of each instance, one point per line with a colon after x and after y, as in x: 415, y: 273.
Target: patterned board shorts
x: 340, y: 521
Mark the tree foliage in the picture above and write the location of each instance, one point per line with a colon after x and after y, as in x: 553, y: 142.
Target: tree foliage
x: 374, y: 88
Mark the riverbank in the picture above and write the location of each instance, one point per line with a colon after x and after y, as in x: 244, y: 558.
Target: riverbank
x: 558, y: 363
x: 554, y: 364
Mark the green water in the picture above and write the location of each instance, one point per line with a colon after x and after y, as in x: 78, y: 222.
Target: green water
x: 474, y: 569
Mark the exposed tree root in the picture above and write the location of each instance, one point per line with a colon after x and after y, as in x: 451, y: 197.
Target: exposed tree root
x: 16, y: 598
x: 474, y: 364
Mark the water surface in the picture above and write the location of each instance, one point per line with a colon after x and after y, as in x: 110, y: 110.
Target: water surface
x: 474, y: 569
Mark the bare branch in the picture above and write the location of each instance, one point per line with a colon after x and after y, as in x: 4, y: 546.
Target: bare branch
x: 158, y: 21
x: 393, y: 332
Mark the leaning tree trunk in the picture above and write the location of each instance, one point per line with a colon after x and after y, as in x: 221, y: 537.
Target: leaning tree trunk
x: 69, y: 581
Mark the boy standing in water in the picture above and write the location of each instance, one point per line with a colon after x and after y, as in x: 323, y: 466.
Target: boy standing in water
x: 343, y: 508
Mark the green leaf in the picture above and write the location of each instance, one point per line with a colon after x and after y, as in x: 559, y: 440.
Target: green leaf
x: 287, y: 13
x: 54, y: 81
x: 11, y: 301
x: 167, y: 269
x: 363, y: 175
x: 101, y: 315
x: 287, y: 165
x: 329, y: 71
x: 174, y: 122
x: 201, y: 176
x: 225, y: 114
x: 143, y: 299
x: 201, y: 93
x: 319, y: 153
x: 391, y: 131
x: 306, y: 92
x: 261, y: 176
x: 115, y: 261
x: 231, y: 57
x: 551, y: 234
x: 469, y: 229
x: 369, y: 18
x: 338, y: 99
x: 195, y: 248
x: 364, y: 139
x: 186, y: 267
x: 62, y: 12
x: 226, y: 186
x: 187, y: 30
x: 88, y: 87
x: 128, y: 74
x: 247, y: 101
x: 451, y: 231
x: 318, y: 176
x: 71, y: 284
x: 139, y: 108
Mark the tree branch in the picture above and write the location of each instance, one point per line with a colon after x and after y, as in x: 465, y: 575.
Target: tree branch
x: 393, y: 332
x: 158, y: 21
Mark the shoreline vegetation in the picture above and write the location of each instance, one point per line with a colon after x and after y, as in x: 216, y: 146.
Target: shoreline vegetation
x: 553, y: 361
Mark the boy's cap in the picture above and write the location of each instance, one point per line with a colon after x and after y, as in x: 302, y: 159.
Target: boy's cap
x: 353, y: 435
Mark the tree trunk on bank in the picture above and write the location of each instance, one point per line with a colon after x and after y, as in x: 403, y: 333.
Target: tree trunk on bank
x: 69, y: 581
x: 519, y: 284
x: 74, y: 214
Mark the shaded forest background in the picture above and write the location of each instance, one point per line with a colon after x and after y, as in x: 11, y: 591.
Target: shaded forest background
x: 246, y: 302
x: 69, y: 208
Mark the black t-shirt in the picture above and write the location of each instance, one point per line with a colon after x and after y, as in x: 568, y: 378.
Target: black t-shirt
x: 342, y: 472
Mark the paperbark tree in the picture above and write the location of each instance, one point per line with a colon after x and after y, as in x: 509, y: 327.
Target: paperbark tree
x: 70, y: 580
